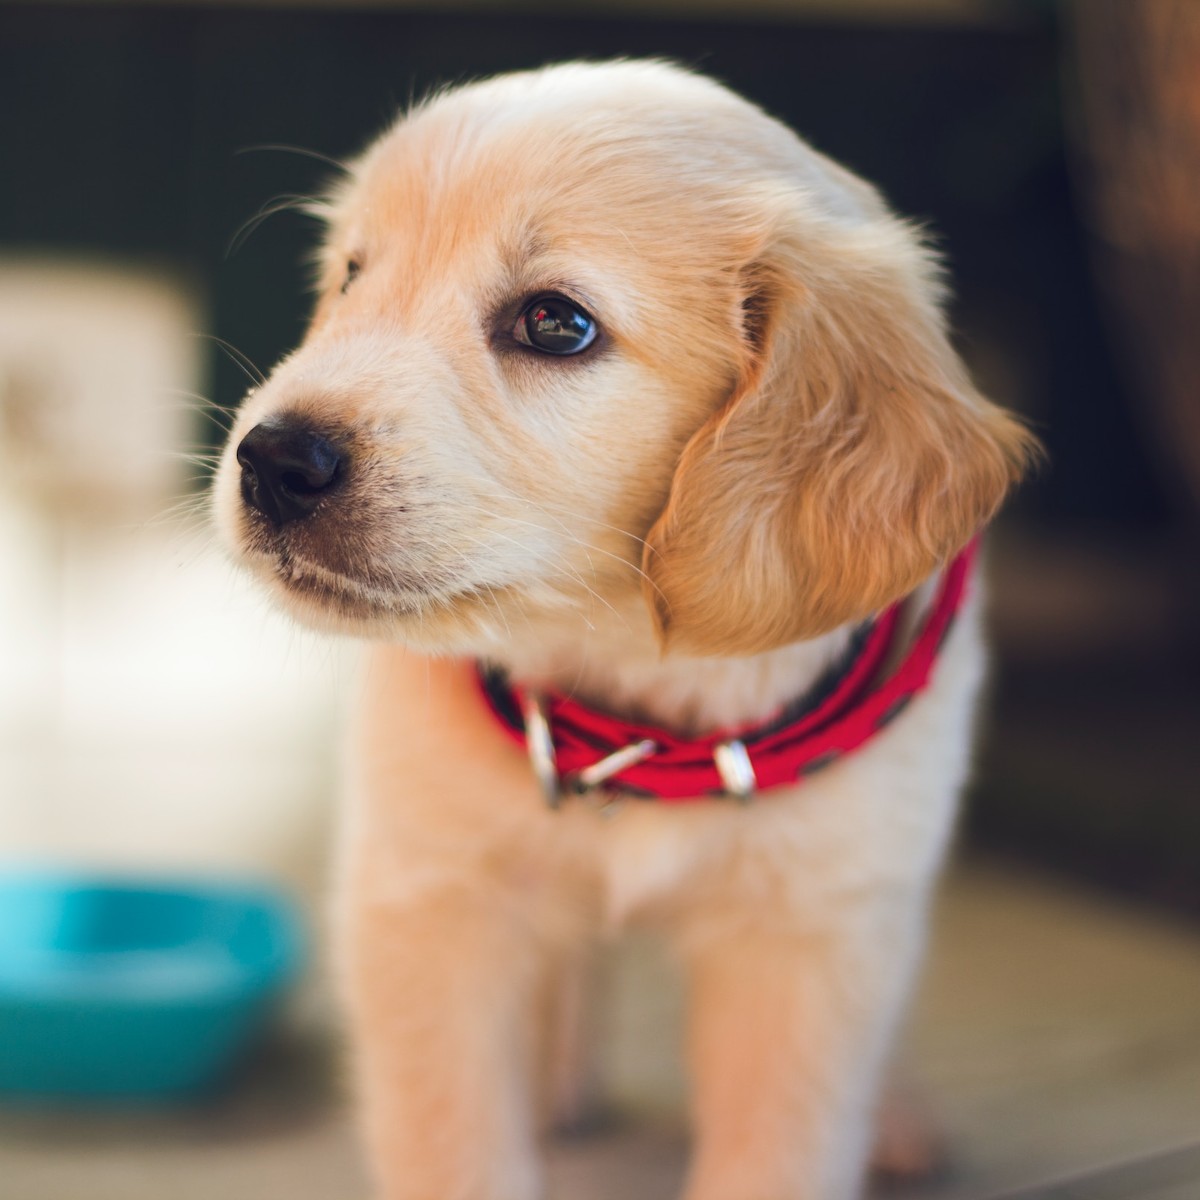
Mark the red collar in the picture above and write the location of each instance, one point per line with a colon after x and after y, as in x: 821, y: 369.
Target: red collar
x: 574, y: 749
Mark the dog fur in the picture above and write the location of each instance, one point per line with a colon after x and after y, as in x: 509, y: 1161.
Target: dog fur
x: 770, y: 440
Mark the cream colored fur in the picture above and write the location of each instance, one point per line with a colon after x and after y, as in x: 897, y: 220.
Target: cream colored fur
x: 771, y: 440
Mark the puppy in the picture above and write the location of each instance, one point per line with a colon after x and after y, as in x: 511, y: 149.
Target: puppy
x: 617, y: 387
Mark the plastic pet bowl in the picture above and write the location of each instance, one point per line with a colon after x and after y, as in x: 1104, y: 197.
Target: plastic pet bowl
x: 111, y: 988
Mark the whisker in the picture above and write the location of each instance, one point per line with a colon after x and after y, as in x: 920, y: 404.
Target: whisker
x: 305, y: 205
x: 192, y: 403
x: 196, y: 457
x: 249, y: 369
x: 545, y: 506
x: 578, y: 516
x: 585, y: 546
x: 181, y: 512
x: 215, y: 421
x: 562, y: 569
x: 495, y: 603
x: 301, y: 150
x: 195, y: 401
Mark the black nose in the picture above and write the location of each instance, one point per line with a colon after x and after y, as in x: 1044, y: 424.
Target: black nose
x: 286, y: 469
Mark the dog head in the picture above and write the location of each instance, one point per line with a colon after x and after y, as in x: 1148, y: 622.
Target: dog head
x: 600, y: 329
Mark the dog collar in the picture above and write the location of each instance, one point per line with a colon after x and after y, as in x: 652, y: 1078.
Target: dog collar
x: 574, y: 749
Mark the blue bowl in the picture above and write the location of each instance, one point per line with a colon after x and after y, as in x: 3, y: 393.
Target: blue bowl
x: 134, y: 990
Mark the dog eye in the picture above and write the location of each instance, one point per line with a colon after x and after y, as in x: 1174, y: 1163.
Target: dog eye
x: 555, y: 326
x: 352, y: 269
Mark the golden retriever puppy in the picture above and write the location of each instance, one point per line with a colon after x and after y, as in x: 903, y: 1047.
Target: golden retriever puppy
x: 618, y: 388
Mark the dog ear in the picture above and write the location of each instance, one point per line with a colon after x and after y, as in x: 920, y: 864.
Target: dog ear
x: 850, y: 461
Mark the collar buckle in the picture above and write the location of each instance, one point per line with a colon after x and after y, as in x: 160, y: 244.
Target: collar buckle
x: 543, y: 758
x: 733, y: 764
x: 731, y: 759
x: 587, y: 779
x: 539, y: 745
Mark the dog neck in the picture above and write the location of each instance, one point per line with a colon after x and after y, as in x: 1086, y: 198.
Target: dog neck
x: 615, y: 664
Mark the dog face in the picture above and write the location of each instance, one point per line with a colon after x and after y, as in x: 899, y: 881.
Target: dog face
x: 602, y: 329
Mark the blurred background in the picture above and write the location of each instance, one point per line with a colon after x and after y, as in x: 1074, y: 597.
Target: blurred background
x: 156, y: 718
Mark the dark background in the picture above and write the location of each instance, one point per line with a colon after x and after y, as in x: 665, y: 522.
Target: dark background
x: 128, y: 132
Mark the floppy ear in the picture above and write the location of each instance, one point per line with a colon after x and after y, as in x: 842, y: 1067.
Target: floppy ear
x: 852, y: 458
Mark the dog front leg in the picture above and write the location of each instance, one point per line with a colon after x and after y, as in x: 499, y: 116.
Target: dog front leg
x: 787, y: 1038
x: 440, y: 994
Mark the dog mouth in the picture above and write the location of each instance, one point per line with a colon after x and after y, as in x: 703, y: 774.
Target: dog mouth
x: 344, y: 573
x: 337, y: 592
x: 315, y: 582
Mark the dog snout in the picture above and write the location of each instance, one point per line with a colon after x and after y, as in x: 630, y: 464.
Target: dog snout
x: 287, y: 469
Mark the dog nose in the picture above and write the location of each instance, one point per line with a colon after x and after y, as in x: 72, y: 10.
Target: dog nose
x: 286, y: 469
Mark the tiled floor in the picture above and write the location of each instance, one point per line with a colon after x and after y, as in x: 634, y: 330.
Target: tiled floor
x: 1057, y: 1037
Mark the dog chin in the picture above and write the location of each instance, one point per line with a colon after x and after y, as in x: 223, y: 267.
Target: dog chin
x: 329, y: 602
